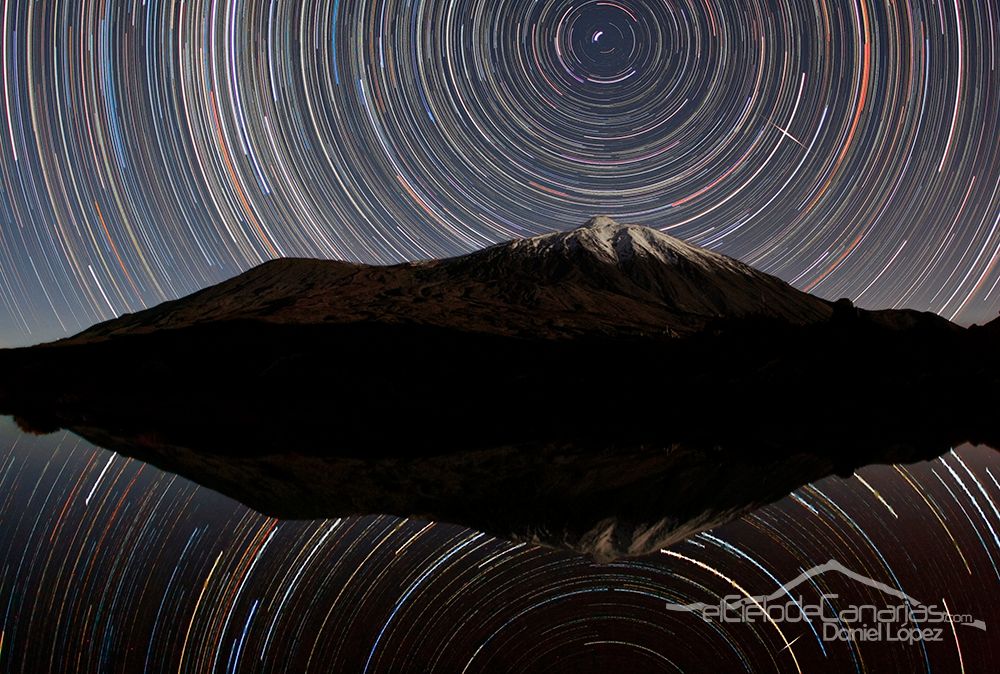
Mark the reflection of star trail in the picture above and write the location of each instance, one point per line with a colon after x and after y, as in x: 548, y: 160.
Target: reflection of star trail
x: 158, y: 575
x: 149, y: 148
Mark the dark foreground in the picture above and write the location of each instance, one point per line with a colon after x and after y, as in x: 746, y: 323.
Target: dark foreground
x: 609, y: 390
x: 609, y: 447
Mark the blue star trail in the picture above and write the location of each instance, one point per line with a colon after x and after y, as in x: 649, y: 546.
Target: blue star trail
x: 148, y: 149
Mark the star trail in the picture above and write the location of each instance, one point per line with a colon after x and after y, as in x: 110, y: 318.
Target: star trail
x: 151, y: 148
x: 110, y: 565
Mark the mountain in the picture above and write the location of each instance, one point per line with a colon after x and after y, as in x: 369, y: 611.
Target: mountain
x: 992, y: 328
x: 603, y: 278
x: 607, y: 390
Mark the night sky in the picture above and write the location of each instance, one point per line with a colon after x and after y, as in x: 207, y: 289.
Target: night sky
x: 150, y: 148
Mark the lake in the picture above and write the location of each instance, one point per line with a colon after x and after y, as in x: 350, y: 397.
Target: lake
x: 109, y: 564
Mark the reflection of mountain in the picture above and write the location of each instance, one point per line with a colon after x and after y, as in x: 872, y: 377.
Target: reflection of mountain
x: 609, y: 389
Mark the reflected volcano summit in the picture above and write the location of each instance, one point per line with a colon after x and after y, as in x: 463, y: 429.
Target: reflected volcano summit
x: 608, y: 390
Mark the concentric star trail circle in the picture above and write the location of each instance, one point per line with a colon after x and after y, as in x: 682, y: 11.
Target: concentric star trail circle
x: 107, y: 564
x: 150, y: 148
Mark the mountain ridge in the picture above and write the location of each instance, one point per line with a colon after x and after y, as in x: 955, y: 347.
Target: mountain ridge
x: 603, y: 277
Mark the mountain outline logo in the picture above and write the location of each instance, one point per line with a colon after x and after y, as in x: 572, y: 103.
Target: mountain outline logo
x: 785, y: 590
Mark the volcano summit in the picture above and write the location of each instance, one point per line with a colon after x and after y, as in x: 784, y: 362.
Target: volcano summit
x: 609, y: 390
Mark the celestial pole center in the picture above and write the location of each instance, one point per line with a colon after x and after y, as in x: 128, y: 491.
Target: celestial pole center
x: 150, y: 149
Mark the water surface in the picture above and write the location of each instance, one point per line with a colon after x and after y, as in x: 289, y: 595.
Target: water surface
x: 112, y: 565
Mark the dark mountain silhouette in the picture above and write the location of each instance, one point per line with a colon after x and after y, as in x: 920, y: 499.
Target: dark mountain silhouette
x: 601, y: 279
x: 609, y: 390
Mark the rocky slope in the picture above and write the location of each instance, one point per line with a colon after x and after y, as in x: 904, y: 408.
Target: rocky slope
x: 603, y: 278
